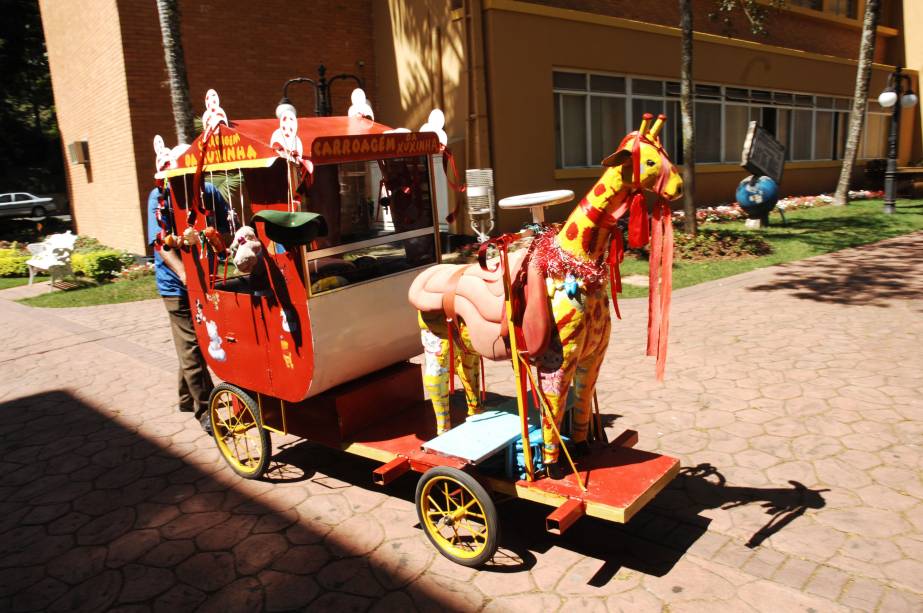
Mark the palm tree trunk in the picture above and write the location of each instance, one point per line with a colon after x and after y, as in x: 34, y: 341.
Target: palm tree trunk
x: 168, y: 11
x: 857, y: 115
x: 686, y: 110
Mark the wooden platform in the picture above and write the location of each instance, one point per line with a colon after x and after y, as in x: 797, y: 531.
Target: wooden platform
x: 620, y: 480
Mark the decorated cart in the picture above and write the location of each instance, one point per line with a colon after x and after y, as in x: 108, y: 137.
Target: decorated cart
x: 333, y: 219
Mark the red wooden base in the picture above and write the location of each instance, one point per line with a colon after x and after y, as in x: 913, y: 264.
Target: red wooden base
x: 383, y: 417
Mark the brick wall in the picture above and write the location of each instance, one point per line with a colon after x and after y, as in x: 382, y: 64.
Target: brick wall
x: 245, y: 51
x: 91, y: 100
x: 785, y: 29
x: 109, y: 77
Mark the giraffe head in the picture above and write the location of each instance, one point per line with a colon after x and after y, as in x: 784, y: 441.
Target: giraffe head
x: 645, y: 163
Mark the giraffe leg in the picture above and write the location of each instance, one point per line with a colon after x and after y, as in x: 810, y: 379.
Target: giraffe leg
x: 588, y: 372
x: 436, y: 368
x: 556, y: 383
x: 468, y: 367
x: 584, y: 384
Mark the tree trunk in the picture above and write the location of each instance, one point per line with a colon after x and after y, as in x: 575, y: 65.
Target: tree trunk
x: 686, y: 110
x: 857, y: 115
x: 168, y: 11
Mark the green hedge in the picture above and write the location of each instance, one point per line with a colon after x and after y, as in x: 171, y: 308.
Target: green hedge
x: 100, y: 265
x: 13, y: 263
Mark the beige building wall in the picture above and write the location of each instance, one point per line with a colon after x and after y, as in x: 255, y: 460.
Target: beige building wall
x: 420, y: 65
x: 913, y: 58
x: 84, y: 43
x: 525, y: 47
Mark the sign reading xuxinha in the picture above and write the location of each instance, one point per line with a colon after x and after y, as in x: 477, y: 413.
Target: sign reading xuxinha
x: 370, y: 146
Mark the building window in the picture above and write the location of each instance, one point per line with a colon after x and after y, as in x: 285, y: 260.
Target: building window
x: 593, y: 112
x: 590, y: 113
x: 875, y: 143
x: 843, y: 8
x: 817, y: 5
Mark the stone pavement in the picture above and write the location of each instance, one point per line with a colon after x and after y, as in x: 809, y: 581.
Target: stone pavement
x: 792, y: 398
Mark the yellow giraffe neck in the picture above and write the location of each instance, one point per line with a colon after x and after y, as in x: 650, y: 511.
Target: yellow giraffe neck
x: 579, y: 236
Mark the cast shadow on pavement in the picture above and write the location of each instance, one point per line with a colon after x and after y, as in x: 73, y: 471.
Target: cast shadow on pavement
x: 651, y: 543
x: 704, y: 487
x: 869, y: 276
x: 95, y: 515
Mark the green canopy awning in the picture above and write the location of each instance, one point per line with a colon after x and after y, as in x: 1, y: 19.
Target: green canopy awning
x: 299, y: 228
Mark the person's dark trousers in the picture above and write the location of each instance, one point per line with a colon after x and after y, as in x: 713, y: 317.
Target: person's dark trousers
x: 195, y: 384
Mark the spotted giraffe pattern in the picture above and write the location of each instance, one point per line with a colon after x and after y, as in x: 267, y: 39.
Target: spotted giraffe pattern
x: 582, y: 322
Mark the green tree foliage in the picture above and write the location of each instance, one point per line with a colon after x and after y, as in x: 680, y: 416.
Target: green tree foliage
x: 756, y: 13
x: 30, y: 149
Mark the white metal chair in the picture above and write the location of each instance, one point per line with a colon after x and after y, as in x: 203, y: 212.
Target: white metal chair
x: 52, y: 255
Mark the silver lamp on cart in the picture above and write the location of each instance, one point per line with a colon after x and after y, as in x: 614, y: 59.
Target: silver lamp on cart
x: 481, y: 202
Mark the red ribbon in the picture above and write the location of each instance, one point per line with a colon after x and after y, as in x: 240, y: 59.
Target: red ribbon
x: 661, y: 286
x: 638, y: 222
x: 616, y: 255
x: 457, y: 185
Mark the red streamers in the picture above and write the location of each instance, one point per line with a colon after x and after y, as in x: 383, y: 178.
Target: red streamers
x: 457, y: 185
x: 638, y: 222
x: 616, y: 255
x: 661, y: 286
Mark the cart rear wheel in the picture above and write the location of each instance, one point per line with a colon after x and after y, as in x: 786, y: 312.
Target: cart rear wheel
x: 237, y: 429
x: 458, y: 516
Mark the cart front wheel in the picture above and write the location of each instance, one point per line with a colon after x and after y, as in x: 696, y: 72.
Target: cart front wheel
x: 237, y: 429
x: 458, y: 516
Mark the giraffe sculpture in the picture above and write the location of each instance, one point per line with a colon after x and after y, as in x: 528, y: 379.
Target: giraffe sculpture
x: 459, y: 306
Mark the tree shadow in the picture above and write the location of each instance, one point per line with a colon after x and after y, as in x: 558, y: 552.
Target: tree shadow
x: 832, y: 234
x: 93, y: 514
x: 873, y: 275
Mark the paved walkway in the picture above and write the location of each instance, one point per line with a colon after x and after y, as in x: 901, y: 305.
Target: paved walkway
x: 792, y: 398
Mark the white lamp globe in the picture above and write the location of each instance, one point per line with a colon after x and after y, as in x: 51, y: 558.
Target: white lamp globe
x: 909, y: 100
x: 888, y: 98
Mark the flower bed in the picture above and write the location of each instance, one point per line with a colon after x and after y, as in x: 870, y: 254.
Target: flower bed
x: 734, y: 212
x: 715, y: 243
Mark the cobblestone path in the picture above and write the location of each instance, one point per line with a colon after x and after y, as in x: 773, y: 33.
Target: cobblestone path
x: 794, y: 399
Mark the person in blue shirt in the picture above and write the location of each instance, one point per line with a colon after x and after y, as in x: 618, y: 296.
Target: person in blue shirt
x: 195, y: 383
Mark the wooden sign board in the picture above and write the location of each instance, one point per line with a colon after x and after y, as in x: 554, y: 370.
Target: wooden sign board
x: 762, y: 153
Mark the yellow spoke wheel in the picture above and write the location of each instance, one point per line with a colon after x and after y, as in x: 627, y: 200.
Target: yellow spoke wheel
x: 238, y: 431
x: 458, y: 516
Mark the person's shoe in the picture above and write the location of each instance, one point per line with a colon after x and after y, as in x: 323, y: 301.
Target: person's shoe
x: 206, y: 422
x: 555, y: 471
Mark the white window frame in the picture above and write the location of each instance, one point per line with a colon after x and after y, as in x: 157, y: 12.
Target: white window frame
x: 665, y: 98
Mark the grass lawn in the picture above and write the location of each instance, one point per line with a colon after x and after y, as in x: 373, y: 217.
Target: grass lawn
x: 105, y: 293
x: 808, y: 232
x: 8, y: 282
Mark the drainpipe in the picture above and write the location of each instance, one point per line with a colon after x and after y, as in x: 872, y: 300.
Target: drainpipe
x: 478, y: 131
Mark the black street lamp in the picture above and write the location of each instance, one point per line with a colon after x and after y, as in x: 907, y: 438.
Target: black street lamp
x: 889, y: 98
x: 322, y: 105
